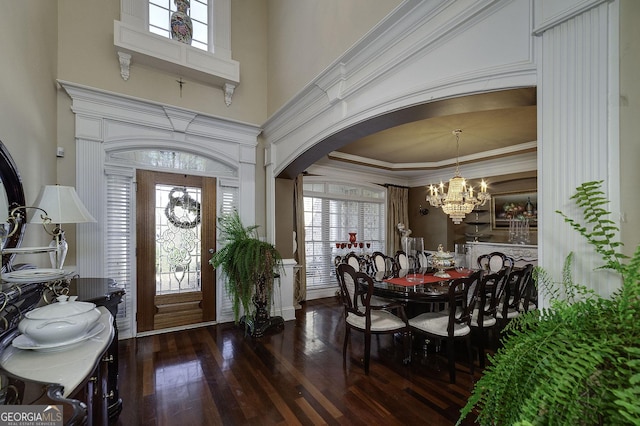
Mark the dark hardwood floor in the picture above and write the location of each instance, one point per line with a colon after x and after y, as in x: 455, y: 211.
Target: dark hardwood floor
x: 216, y: 376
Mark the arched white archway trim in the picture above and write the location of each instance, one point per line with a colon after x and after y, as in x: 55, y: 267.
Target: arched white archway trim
x: 428, y: 51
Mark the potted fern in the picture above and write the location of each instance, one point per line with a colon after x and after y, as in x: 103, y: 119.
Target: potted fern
x: 577, y: 362
x: 250, y: 266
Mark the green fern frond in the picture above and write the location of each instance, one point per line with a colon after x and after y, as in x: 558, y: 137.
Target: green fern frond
x: 602, y: 230
x: 576, y: 362
x: 245, y: 260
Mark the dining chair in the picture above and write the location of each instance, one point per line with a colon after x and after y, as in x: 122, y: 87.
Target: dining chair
x: 402, y: 260
x: 354, y: 260
x: 528, y: 292
x: 423, y: 259
x: 511, y: 299
x: 485, y: 303
x: 495, y: 261
x: 452, y: 323
x: 380, y: 262
x: 378, y: 301
x: 356, y: 289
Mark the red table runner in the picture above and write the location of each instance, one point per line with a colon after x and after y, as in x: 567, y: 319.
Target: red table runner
x: 428, y: 278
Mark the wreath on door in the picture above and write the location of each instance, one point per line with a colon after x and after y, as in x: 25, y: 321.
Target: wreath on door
x: 179, y: 199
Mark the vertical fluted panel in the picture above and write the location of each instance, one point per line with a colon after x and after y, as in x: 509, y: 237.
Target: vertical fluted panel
x: 573, y: 143
x: 90, y: 185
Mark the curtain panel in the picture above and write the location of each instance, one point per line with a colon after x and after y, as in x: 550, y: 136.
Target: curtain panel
x: 300, y: 283
x: 397, y: 212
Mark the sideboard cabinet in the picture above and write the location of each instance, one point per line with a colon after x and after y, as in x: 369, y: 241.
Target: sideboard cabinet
x: 522, y: 254
x: 82, y: 378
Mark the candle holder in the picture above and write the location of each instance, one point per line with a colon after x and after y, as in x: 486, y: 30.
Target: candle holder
x: 519, y: 231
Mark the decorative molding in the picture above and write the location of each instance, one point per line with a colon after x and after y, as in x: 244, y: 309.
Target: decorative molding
x: 562, y: 11
x: 89, y: 128
x: 100, y: 104
x: 343, y: 173
x: 493, y: 167
x: 495, y: 153
x: 392, y: 68
x: 179, y: 119
x: 125, y: 64
x: 228, y: 93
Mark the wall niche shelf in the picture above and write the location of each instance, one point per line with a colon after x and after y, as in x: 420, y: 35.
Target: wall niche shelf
x: 133, y: 43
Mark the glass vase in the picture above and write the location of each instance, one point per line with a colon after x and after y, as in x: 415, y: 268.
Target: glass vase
x: 413, y: 246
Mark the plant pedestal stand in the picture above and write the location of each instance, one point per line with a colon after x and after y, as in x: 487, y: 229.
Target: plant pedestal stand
x: 257, y: 328
x: 262, y: 322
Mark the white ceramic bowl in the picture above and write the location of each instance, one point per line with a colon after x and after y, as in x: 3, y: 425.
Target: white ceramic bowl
x: 59, y: 322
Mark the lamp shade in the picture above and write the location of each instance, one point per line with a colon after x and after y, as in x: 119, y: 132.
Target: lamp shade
x: 4, y: 206
x: 62, y: 205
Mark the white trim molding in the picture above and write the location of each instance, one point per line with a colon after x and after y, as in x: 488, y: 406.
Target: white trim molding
x: 427, y: 51
x: 108, y: 123
x: 405, y: 61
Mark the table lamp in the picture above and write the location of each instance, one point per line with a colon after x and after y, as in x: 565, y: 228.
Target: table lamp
x: 62, y: 205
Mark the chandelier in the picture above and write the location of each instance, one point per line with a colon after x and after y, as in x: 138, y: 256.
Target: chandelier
x: 459, y: 200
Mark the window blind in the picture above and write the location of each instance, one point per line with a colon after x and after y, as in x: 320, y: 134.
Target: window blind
x: 120, y: 253
x: 332, y: 211
x: 229, y: 195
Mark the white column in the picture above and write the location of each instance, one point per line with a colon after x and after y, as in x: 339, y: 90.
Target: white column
x: 270, y: 193
x: 286, y: 298
x: 577, y: 132
x: 283, y: 297
x: 90, y: 185
x: 247, y: 179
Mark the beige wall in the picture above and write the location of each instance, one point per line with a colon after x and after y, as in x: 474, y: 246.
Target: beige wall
x: 28, y: 49
x: 629, y: 123
x: 87, y: 56
x: 306, y: 36
x: 284, y: 217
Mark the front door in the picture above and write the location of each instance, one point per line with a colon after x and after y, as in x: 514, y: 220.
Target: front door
x: 176, y: 227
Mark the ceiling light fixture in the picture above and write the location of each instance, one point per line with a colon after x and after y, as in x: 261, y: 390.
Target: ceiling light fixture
x: 459, y: 200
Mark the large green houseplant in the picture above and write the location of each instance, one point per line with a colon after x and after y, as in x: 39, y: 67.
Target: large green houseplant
x: 250, y: 266
x: 577, y: 362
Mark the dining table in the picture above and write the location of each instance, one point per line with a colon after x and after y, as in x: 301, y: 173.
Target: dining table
x: 420, y: 290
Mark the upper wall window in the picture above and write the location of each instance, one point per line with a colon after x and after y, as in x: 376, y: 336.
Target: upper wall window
x: 160, y: 12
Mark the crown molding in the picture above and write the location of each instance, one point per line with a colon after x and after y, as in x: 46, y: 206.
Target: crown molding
x: 482, y: 156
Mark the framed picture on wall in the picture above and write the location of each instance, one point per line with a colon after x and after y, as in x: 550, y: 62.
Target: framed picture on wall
x: 514, y: 205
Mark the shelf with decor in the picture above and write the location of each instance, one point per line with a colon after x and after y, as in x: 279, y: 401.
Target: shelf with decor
x: 478, y: 225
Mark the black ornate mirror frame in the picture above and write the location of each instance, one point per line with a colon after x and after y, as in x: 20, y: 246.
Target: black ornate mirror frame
x: 15, y: 197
